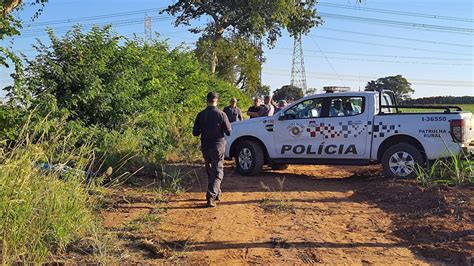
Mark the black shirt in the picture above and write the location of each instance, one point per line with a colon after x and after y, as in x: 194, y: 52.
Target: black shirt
x: 254, y: 109
x: 233, y: 113
x: 212, y: 124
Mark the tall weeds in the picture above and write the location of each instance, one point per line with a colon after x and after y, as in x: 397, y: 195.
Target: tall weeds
x: 43, y: 210
x: 457, y: 169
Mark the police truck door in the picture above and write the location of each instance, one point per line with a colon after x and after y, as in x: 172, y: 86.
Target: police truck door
x: 294, y: 130
x: 346, y: 128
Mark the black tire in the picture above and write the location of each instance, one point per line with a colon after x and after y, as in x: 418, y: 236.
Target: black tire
x: 400, y: 161
x: 279, y: 166
x: 254, y: 163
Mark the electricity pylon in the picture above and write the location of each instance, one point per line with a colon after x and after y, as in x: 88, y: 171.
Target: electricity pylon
x: 147, y: 28
x: 298, y: 73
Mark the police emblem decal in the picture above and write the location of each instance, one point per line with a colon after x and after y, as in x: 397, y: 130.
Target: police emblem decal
x: 296, y: 130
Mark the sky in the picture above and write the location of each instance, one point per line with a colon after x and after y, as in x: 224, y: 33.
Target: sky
x: 429, y: 42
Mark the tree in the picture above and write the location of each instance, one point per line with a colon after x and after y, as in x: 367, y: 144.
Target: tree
x: 311, y: 91
x: 397, y: 84
x: 239, y: 63
x: 247, y: 18
x: 10, y: 26
x: 9, y: 5
x: 289, y: 93
x: 261, y: 90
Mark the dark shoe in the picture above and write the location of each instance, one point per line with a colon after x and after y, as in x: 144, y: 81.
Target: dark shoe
x: 211, y: 203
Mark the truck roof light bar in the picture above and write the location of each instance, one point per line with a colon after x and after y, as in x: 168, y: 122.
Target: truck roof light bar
x: 331, y: 89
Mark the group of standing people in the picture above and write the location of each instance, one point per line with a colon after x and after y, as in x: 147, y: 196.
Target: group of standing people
x: 212, y: 124
x: 258, y: 109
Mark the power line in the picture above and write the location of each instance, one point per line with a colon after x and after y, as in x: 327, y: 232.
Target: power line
x: 343, y: 53
x: 98, y: 17
x: 327, y: 60
x: 328, y: 74
x: 382, y: 61
x: 355, y: 54
x: 131, y: 20
x: 391, y: 45
x: 349, y: 58
x: 394, y: 12
x: 119, y: 23
x: 126, y: 35
x: 387, y: 56
x: 397, y: 37
x: 316, y: 75
x: 419, y: 26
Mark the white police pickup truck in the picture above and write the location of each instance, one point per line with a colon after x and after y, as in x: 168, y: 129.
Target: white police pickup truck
x: 350, y: 128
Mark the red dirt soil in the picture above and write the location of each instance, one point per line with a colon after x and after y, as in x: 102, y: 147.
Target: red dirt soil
x: 305, y: 214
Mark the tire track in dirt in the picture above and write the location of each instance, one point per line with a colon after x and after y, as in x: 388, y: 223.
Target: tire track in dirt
x: 312, y: 218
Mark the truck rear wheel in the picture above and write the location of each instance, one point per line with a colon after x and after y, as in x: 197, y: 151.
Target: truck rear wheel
x: 400, y: 161
x: 249, y: 158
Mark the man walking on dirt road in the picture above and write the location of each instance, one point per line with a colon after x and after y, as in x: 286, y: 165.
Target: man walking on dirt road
x: 212, y: 124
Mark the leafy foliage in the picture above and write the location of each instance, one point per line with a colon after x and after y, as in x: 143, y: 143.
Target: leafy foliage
x: 239, y: 62
x: 10, y: 26
x: 398, y: 84
x: 262, y: 90
x: 311, y: 91
x: 122, y: 91
x: 11, y: 120
x: 247, y: 18
x: 289, y: 93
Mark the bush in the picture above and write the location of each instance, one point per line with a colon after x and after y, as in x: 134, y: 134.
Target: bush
x: 136, y: 98
x: 11, y: 119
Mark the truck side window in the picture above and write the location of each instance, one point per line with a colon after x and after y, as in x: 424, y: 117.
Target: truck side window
x: 306, y: 109
x: 346, y: 106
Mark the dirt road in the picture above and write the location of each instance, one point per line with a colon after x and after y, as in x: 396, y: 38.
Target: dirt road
x: 305, y: 214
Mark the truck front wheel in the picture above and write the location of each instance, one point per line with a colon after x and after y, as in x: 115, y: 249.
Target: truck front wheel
x: 401, y: 160
x: 249, y: 158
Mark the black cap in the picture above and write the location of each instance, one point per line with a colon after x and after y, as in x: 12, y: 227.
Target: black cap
x: 212, y: 96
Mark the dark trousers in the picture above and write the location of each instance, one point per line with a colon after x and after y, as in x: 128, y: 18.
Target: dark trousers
x: 214, y: 161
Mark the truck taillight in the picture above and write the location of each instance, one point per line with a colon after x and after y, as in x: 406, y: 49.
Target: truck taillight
x: 458, y: 130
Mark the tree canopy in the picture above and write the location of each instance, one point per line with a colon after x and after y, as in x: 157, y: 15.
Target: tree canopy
x: 239, y: 62
x: 398, y: 84
x: 289, y: 93
x: 249, y: 18
x: 10, y: 26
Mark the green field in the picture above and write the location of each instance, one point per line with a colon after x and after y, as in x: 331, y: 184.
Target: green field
x: 465, y: 108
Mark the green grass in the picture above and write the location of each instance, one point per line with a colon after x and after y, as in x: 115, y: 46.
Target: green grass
x: 468, y: 107
x: 43, y: 211
x: 454, y: 170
